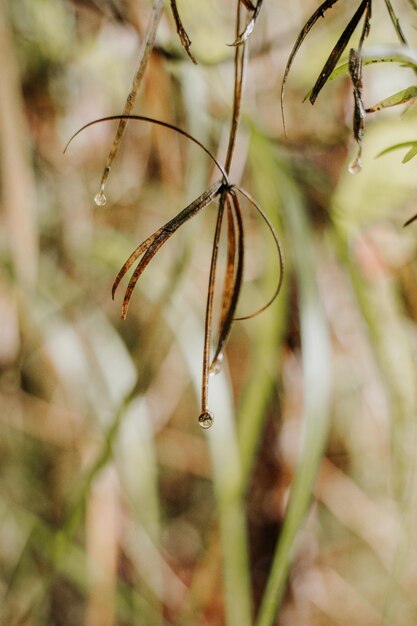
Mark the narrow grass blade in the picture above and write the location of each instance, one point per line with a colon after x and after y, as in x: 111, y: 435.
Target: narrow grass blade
x: 320, y: 12
x: 378, y: 54
x: 405, y: 96
x: 315, y: 358
x: 337, y: 51
x: 412, y: 145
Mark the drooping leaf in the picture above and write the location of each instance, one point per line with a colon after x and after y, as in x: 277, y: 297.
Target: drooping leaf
x: 405, y: 96
x: 338, y: 50
x: 153, y: 243
x: 182, y: 33
x: 234, y: 275
x: 378, y: 54
x: 355, y: 71
x: 410, y: 154
x: 302, y: 35
x: 412, y: 145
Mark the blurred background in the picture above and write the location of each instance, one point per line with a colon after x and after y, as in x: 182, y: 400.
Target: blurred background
x: 115, y: 507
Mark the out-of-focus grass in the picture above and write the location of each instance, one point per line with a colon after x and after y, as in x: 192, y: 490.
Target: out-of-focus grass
x: 115, y: 508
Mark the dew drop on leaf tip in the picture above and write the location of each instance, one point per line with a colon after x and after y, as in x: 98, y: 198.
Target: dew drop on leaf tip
x: 216, y: 366
x: 206, y: 420
x: 356, y: 166
x: 100, y: 199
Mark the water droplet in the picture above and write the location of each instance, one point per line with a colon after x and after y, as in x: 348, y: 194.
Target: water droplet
x: 216, y: 366
x: 356, y: 166
x: 206, y: 420
x: 100, y: 199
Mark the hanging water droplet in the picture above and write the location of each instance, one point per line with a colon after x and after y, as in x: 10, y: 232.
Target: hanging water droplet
x: 206, y: 420
x: 100, y: 199
x: 217, y: 365
x: 356, y: 166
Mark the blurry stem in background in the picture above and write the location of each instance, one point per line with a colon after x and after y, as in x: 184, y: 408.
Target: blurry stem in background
x: 268, y: 342
x: 380, y: 308
x: 149, y: 41
x: 17, y: 180
x: 316, y: 386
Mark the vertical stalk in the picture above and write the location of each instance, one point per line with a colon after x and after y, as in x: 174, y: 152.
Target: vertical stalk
x: 239, y: 74
x: 227, y: 471
x: 149, y: 42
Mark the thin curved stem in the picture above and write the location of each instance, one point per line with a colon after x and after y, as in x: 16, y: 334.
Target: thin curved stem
x: 280, y: 256
x: 151, y: 120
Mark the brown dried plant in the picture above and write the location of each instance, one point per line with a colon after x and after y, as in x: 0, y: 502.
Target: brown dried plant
x: 223, y: 191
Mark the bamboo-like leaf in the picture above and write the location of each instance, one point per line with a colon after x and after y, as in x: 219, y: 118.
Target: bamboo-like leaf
x: 182, y: 33
x: 405, y: 144
x: 325, y: 6
x: 337, y: 51
x: 233, y: 281
x: 153, y: 243
x: 378, y: 54
x: 405, y: 96
x: 280, y: 256
x: 249, y: 26
x: 410, y: 154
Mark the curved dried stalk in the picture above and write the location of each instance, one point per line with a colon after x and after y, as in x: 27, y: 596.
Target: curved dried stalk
x: 182, y: 33
x: 151, y: 120
x: 280, y: 256
x: 148, y: 46
x: 147, y: 250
